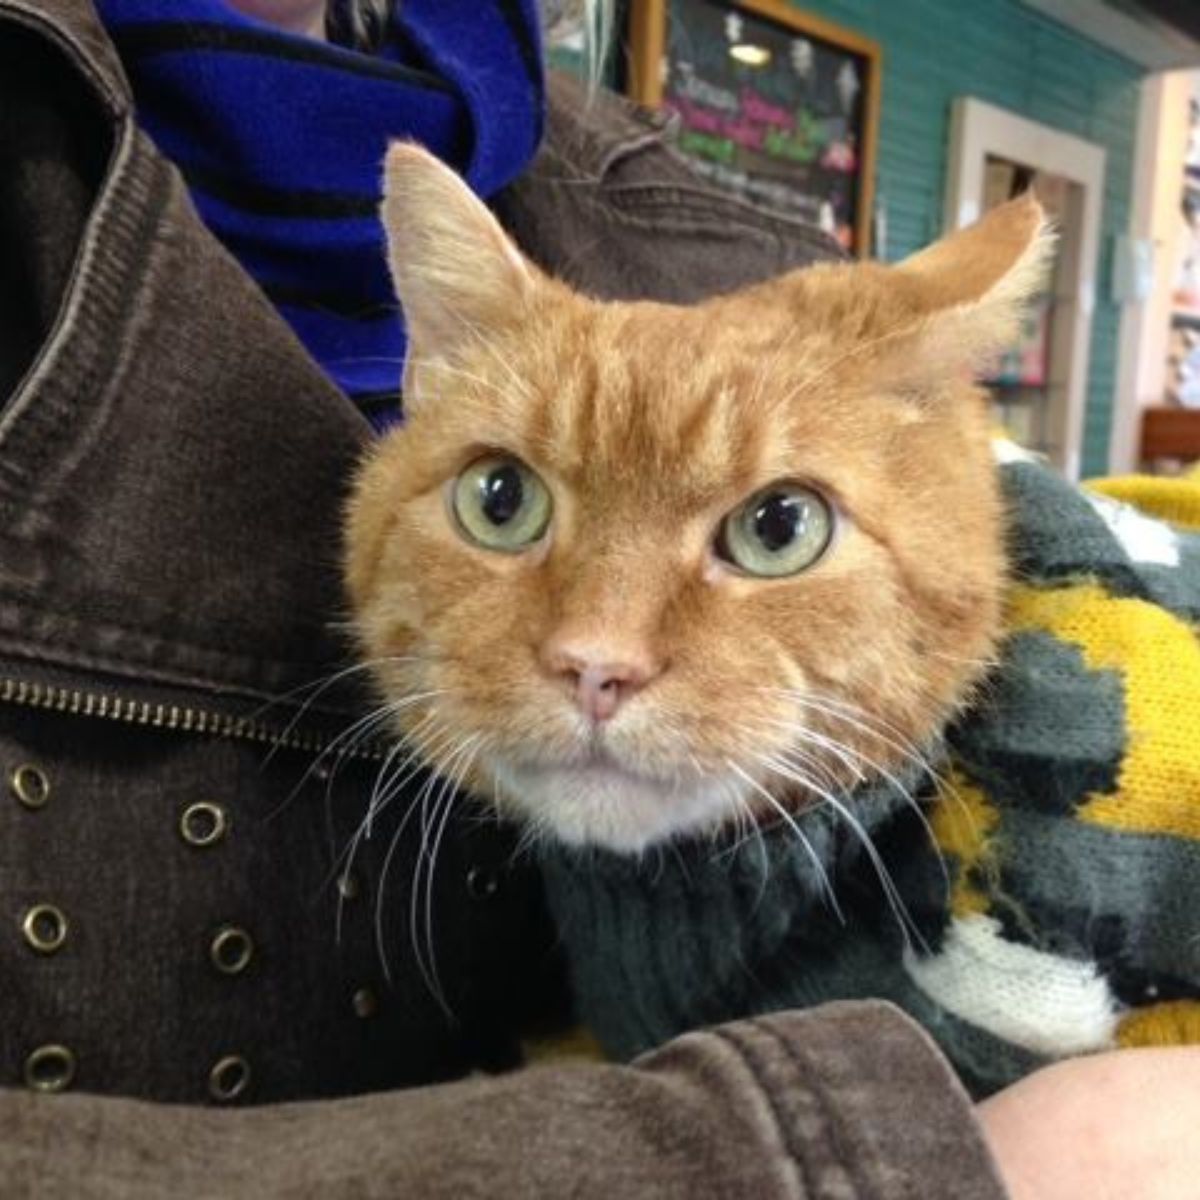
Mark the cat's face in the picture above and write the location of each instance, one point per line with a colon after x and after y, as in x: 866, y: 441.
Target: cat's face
x: 635, y: 569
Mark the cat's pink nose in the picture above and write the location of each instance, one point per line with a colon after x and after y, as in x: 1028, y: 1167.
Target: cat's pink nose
x: 601, y: 687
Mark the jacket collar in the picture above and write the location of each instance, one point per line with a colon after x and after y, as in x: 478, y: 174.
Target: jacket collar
x: 172, y: 467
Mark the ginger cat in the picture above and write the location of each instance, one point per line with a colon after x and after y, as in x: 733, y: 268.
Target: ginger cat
x: 638, y: 570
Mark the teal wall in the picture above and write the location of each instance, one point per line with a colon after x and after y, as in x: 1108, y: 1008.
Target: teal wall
x: 1006, y: 54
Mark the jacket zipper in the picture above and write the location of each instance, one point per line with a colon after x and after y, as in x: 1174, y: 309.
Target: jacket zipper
x: 183, y: 718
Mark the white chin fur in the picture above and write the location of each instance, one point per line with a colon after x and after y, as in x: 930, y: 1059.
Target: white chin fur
x: 609, y: 807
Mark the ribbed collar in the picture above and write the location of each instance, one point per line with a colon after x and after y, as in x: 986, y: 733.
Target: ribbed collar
x: 703, y: 930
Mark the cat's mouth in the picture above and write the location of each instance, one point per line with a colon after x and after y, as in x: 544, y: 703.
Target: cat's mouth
x: 597, y: 800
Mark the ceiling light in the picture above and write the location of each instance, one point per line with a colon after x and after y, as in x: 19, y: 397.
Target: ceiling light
x: 750, y: 54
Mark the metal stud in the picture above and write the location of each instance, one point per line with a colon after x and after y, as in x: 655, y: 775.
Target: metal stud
x: 30, y: 785
x: 365, y: 1002
x: 203, y: 823
x: 231, y: 950
x: 45, y: 928
x: 482, y: 883
x: 50, y: 1068
x: 229, y: 1078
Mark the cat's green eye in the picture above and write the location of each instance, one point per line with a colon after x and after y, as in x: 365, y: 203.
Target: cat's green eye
x: 501, y: 504
x: 780, y: 530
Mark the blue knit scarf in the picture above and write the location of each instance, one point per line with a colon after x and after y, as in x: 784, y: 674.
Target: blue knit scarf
x: 280, y: 139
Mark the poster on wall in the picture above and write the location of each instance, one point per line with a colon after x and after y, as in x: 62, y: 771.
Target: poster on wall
x: 773, y: 104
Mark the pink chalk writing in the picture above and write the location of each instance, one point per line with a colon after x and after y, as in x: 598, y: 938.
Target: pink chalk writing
x: 757, y: 108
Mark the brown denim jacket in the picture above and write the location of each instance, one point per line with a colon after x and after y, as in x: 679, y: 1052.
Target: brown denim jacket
x: 178, y: 921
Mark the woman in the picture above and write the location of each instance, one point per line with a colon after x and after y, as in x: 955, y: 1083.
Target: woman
x: 175, y: 441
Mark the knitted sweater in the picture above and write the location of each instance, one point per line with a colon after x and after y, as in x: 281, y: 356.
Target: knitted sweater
x: 1067, y: 818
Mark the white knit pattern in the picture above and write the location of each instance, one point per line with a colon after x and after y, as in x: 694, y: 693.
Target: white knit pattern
x: 1048, y: 1004
x: 1144, y: 539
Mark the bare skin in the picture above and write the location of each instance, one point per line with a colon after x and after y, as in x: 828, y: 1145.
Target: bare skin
x: 1118, y: 1126
x: 304, y: 17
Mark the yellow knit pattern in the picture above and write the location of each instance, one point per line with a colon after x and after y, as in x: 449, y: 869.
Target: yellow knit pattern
x: 1174, y: 1023
x: 963, y: 820
x: 573, y: 1045
x: 1158, y: 656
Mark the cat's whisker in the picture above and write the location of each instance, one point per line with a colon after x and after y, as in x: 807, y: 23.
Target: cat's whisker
x: 397, y: 835
x: 741, y: 822
x: 989, y: 663
x: 417, y: 804
x: 317, y: 686
x: 898, y: 785
x: 908, y: 926
x: 411, y: 742
x: 341, y: 747
x: 822, y: 875
x: 453, y: 777
x: 941, y: 782
x: 528, y: 832
x: 855, y: 760
x: 863, y: 723
x: 752, y: 729
x: 804, y: 765
x: 399, y: 778
x: 748, y: 829
x: 870, y: 722
x: 673, y: 846
x: 661, y: 861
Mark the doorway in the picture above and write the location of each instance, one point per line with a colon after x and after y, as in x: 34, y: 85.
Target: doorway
x: 1039, y: 387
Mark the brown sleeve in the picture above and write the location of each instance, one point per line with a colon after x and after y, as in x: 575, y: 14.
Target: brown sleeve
x: 848, y: 1101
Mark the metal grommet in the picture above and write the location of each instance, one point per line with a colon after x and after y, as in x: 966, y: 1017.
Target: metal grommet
x: 482, y: 883
x: 231, y: 950
x: 348, y: 886
x: 365, y: 1003
x: 45, y: 928
x: 50, y: 1069
x: 203, y: 823
x: 229, y: 1078
x: 30, y: 785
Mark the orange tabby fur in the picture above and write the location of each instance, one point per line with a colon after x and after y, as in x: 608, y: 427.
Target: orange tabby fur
x: 648, y: 423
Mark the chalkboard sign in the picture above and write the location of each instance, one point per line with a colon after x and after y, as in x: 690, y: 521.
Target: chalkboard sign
x: 778, y: 106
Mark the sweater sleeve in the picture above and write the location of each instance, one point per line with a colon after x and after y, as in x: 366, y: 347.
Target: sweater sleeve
x: 850, y: 1100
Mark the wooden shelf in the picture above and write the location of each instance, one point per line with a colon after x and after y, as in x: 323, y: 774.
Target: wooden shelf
x: 1170, y: 433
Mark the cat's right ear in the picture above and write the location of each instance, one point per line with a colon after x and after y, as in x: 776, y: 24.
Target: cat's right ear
x: 973, y: 285
x: 456, y: 273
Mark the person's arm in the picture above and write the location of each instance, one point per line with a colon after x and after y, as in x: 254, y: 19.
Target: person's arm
x: 850, y: 1100
x: 1119, y: 1126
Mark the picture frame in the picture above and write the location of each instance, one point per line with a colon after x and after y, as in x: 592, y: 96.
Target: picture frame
x: 785, y: 113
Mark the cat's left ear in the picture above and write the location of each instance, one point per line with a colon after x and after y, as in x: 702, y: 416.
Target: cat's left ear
x: 974, y: 284
x: 457, y: 274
